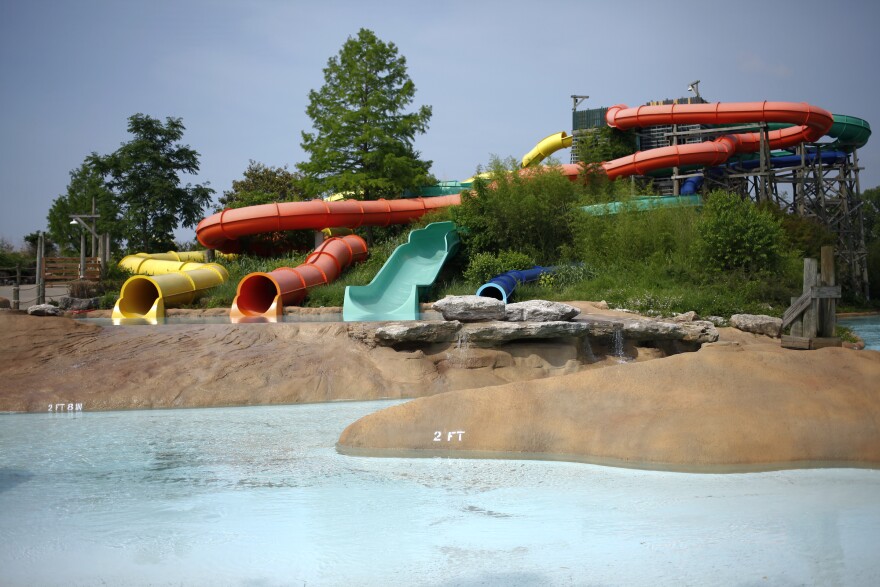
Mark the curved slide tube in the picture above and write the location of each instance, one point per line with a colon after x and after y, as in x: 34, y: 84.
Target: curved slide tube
x: 164, y: 279
x: 809, y: 125
x: 265, y: 294
x: 221, y: 230
x: 413, y: 267
x: 546, y: 147
x: 501, y: 286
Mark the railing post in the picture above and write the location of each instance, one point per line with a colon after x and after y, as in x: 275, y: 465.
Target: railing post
x: 811, y: 316
x: 828, y: 306
x: 39, y: 280
x: 16, y: 296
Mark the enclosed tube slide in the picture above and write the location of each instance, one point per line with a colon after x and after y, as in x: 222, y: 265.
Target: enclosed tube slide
x: 809, y: 125
x: 546, y: 147
x: 501, y: 287
x: 164, y: 279
x: 266, y: 294
x: 221, y: 230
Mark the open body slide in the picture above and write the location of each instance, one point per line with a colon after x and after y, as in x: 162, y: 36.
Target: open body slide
x: 802, y: 123
x: 412, y: 268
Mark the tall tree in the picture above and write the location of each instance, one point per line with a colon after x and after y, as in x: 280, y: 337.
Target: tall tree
x: 86, y: 184
x: 264, y: 184
x: 363, y: 139
x: 143, y: 175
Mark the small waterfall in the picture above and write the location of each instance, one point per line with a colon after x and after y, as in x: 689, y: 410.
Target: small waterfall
x: 617, y: 344
x: 459, y: 355
x: 588, y: 350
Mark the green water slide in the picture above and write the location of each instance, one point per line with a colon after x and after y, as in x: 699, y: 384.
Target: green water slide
x: 412, y: 268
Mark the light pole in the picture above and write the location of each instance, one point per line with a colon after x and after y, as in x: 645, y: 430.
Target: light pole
x: 90, y: 222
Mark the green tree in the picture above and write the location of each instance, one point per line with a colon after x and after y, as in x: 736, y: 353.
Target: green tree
x: 871, y: 213
x: 262, y: 184
x: 143, y: 175
x: 363, y: 139
x: 86, y: 184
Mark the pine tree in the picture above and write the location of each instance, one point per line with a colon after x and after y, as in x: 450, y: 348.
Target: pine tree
x: 363, y: 139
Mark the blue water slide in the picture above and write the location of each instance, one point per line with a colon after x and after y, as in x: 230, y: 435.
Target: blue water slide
x: 691, y: 185
x: 501, y: 286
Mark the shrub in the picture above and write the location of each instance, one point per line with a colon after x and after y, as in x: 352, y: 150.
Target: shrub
x: 526, y: 212
x: 734, y: 234
x: 484, y: 266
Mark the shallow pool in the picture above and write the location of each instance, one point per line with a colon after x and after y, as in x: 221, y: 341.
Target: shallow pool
x: 867, y: 327
x: 259, y: 496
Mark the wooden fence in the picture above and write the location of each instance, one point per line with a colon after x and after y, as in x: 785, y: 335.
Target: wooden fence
x: 64, y: 269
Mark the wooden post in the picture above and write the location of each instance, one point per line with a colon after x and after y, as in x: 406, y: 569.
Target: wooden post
x: 827, y: 306
x: 16, y: 296
x: 40, y: 280
x: 811, y: 316
x: 797, y: 327
x: 82, y: 255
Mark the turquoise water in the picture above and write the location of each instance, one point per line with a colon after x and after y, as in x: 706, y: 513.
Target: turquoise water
x: 867, y: 327
x: 259, y: 496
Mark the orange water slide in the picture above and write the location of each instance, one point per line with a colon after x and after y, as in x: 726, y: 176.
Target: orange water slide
x: 222, y: 230
x: 810, y: 124
x: 266, y: 294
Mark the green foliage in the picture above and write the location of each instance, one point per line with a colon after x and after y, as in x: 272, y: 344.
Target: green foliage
x: 619, y: 242
x: 736, y: 235
x: 526, y: 212
x: 605, y: 144
x: 363, y: 139
x: 263, y: 184
x: 485, y: 266
x: 86, y: 185
x: 143, y: 175
x: 871, y: 213
x: 806, y: 236
x: 874, y: 268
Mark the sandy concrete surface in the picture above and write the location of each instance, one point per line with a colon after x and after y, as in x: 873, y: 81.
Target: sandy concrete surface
x: 729, y: 406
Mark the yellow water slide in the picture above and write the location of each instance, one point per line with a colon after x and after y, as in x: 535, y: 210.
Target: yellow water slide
x: 162, y: 280
x: 546, y: 147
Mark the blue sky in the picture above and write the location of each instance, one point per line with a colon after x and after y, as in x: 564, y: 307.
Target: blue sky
x: 497, y: 74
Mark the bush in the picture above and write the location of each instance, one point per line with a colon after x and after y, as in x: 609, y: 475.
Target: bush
x: 526, y: 212
x: 734, y: 234
x: 485, y: 266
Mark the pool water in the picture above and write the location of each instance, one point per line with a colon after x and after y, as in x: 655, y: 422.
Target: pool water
x: 259, y: 496
x: 867, y: 327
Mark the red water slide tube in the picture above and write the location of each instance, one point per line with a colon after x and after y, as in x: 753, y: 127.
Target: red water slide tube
x: 222, y: 230
x: 266, y: 294
x: 810, y: 124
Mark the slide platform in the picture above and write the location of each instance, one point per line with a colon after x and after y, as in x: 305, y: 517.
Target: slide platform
x: 413, y: 267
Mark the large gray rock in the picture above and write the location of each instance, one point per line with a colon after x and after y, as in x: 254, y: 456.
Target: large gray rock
x: 540, y: 311
x: 685, y: 317
x: 641, y: 330
x: 757, y: 324
x: 4, y: 303
x: 45, y: 310
x: 470, y: 308
x: 78, y: 304
x: 417, y: 331
x: 700, y: 331
x: 500, y: 332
